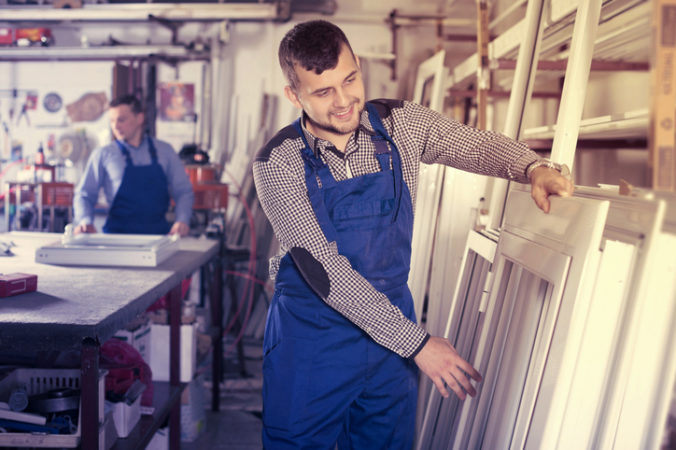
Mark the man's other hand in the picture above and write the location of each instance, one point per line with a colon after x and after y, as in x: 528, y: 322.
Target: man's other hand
x: 179, y: 228
x: 545, y: 182
x: 442, y: 363
x: 84, y: 228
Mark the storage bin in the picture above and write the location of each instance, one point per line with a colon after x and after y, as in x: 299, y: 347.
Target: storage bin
x: 38, y: 381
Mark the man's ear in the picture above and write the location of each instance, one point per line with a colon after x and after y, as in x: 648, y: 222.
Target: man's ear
x: 292, y: 96
x: 356, y: 59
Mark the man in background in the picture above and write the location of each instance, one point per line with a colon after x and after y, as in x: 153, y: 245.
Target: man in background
x: 139, y: 175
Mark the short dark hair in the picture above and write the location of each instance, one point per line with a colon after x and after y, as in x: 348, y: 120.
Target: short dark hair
x: 315, y: 45
x: 130, y: 100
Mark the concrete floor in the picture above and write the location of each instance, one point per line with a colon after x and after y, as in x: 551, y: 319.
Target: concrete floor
x: 237, y: 426
x: 230, y: 429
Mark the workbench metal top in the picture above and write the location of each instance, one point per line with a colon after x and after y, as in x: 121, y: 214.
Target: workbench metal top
x: 74, y: 302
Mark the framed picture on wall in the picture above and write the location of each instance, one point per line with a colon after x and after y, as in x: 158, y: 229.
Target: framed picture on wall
x: 177, y: 102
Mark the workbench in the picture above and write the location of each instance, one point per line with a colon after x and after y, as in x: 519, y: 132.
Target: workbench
x: 82, y: 307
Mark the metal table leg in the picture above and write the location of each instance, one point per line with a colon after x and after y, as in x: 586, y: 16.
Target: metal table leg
x: 217, y: 324
x: 175, y: 364
x: 89, y: 385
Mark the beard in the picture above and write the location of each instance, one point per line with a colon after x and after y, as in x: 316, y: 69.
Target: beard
x: 339, y: 130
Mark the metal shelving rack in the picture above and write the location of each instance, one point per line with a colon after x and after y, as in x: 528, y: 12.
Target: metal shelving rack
x: 616, y: 38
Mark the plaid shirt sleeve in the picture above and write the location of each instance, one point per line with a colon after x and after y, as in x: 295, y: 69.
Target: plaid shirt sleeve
x: 432, y: 138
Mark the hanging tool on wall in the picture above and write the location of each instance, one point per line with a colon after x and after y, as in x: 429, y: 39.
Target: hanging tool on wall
x: 24, y: 113
x: 88, y: 108
x: 5, y: 151
x: 6, y: 248
x: 12, y: 106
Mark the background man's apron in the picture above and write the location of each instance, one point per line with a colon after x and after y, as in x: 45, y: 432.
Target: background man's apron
x: 326, y: 380
x: 141, y: 202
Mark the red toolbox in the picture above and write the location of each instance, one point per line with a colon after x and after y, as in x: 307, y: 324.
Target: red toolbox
x: 17, y: 283
x: 6, y: 36
x: 33, y: 36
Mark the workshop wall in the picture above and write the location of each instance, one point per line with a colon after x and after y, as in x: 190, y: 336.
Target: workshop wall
x: 48, y: 104
x: 65, y: 110
x: 179, y: 103
x: 65, y: 101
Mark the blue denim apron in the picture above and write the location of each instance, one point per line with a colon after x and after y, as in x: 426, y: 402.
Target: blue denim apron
x: 141, y: 202
x: 325, y: 381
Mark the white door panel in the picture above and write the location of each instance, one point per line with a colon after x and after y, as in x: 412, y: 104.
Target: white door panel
x: 594, y: 361
x: 641, y: 361
x: 646, y: 356
x: 540, y: 269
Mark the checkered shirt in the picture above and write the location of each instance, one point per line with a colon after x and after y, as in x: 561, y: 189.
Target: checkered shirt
x: 421, y: 135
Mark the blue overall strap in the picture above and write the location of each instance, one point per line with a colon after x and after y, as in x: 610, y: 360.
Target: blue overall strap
x: 125, y: 152
x: 151, y: 150
x: 383, y: 153
x: 313, y: 166
x: 379, y: 142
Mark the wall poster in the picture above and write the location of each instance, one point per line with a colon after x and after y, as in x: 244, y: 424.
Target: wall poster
x: 177, y: 101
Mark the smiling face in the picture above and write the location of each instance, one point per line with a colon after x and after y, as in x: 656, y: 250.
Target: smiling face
x: 126, y: 125
x: 332, y: 100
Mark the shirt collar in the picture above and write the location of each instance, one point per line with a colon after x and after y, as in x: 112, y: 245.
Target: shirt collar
x: 144, y: 141
x: 319, y: 145
x: 312, y: 141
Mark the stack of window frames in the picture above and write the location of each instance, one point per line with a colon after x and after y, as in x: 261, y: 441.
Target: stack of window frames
x: 576, y: 339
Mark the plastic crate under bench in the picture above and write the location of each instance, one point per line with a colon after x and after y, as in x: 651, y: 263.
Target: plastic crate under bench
x: 39, y: 381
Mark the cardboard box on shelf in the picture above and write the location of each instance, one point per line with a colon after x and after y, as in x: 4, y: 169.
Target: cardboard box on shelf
x: 125, y: 336
x: 141, y: 340
x: 138, y: 336
x: 159, y: 352
x: 663, y: 121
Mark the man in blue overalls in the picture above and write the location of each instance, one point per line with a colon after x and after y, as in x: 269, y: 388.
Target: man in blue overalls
x: 138, y: 175
x: 342, y: 348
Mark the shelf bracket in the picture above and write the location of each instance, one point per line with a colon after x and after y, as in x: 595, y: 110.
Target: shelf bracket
x: 171, y: 25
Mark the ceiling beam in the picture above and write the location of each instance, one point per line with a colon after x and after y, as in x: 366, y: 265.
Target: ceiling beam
x: 198, y: 12
x: 98, y: 53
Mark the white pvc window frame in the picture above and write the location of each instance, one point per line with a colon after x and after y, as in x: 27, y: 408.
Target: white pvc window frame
x: 463, y: 329
x: 95, y: 249
x: 428, y: 88
x: 561, y: 248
